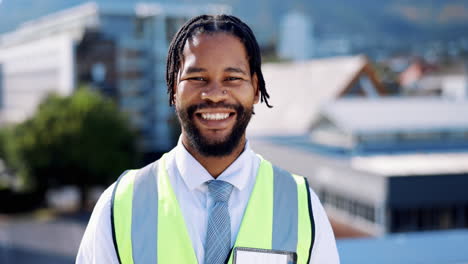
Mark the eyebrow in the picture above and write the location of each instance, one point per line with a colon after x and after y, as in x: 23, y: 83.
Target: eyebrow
x: 236, y: 70
x: 228, y: 69
x: 195, y: 70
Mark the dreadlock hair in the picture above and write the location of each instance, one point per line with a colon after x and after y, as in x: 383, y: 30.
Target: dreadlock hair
x: 214, y: 24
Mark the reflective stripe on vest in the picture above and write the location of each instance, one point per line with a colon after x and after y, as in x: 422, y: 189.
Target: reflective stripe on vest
x: 278, y: 216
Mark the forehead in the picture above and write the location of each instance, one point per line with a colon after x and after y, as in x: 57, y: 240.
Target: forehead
x: 214, y: 48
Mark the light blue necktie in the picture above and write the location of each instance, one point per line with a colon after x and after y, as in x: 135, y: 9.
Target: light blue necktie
x: 218, y: 233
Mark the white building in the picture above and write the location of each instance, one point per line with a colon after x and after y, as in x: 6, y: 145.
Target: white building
x: 299, y: 89
x: 295, y: 42
x: 383, y: 165
x: 120, y: 49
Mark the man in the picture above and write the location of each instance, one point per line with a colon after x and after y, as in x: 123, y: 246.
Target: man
x: 211, y: 199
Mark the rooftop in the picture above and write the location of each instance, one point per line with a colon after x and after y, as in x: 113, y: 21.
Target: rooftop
x: 298, y: 90
x: 413, y: 164
x: 396, y: 114
x: 387, y: 165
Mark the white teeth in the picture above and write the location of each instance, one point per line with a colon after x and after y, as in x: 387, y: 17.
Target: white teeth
x: 214, y: 116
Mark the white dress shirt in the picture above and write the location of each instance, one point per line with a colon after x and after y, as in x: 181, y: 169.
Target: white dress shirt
x: 188, y: 179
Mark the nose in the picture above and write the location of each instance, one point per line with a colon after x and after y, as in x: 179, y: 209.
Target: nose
x: 215, y: 92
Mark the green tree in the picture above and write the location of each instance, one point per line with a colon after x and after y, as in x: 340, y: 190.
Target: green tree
x: 80, y: 140
x: 10, y: 155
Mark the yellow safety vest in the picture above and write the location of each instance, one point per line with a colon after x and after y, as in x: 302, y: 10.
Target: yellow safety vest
x: 148, y: 225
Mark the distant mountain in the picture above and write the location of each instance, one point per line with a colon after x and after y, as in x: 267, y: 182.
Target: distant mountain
x: 400, y: 19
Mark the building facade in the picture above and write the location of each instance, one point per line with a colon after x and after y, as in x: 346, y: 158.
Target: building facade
x: 383, y: 165
x: 119, y: 49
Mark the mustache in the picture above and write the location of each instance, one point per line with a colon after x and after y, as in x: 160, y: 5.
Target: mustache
x: 193, y: 108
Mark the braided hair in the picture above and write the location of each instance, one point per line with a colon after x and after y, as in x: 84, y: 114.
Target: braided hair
x: 214, y: 24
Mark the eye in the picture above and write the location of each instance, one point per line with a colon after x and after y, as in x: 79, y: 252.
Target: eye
x: 200, y: 79
x: 232, y: 78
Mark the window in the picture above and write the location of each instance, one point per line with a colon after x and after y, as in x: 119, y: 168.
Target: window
x: 421, y: 136
x: 350, y: 206
x: 428, y: 218
x: 139, y: 27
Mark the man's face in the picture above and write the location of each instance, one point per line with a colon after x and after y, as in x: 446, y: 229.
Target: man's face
x: 214, y: 93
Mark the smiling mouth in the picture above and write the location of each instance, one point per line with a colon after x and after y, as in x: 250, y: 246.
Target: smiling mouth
x: 215, y: 116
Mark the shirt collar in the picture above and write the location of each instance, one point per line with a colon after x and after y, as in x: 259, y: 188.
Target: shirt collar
x: 195, y: 175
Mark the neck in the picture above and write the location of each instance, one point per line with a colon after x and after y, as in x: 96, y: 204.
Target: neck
x: 215, y: 165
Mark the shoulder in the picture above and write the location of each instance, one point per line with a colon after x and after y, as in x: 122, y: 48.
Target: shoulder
x: 101, y: 212
x: 102, y: 207
x: 96, y: 245
x: 324, y: 246
x: 135, y: 176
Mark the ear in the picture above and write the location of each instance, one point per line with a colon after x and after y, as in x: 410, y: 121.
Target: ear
x: 256, y: 90
x: 175, y: 88
x: 174, y: 92
x: 172, y: 95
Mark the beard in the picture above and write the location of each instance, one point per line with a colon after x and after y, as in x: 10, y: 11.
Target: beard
x: 205, y: 146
